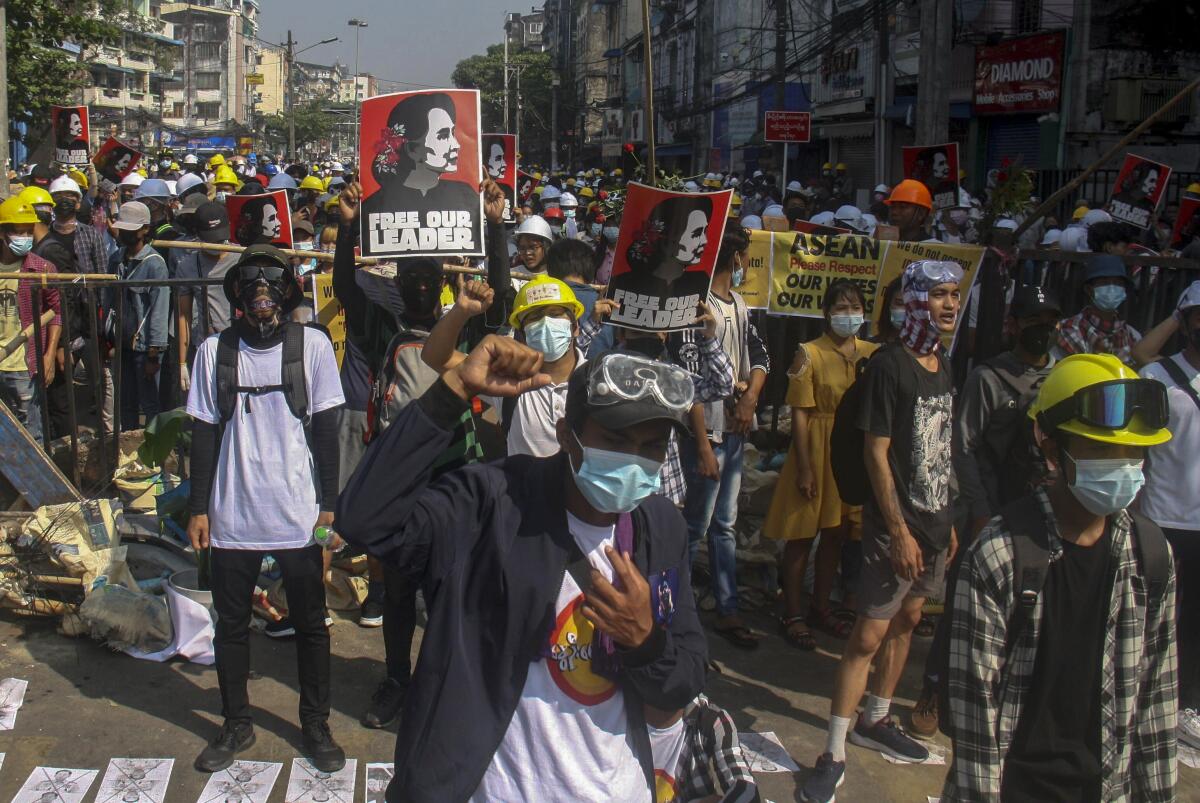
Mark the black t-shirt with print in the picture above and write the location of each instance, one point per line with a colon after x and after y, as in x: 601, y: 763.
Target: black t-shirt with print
x: 903, y: 401
x: 1055, y: 751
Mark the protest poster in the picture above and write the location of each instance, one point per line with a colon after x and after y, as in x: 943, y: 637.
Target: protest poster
x: 70, y: 135
x: 899, y: 254
x: 935, y: 166
x: 329, y: 313
x: 664, y: 256
x: 755, y: 288
x: 525, y: 186
x: 1187, y: 223
x: 500, y: 164
x: 115, y: 160
x: 804, y: 265
x: 421, y: 165
x: 256, y: 219
x: 1137, y: 190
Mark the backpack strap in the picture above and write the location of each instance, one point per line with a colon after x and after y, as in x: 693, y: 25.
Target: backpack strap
x: 227, y: 373
x: 1179, y: 378
x: 1153, y: 556
x: 1031, y: 561
x: 291, y: 376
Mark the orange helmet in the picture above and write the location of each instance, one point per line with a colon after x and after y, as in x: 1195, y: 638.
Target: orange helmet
x: 911, y: 191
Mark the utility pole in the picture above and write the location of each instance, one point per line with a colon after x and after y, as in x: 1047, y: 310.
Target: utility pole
x: 506, y: 29
x: 883, y: 94
x: 4, y: 96
x: 933, y: 97
x: 517, y: 131
x: 291, y: 100
x: 358, y: 25
x: 781, y: 30
x: 554, y: 84
x: 648, y: 99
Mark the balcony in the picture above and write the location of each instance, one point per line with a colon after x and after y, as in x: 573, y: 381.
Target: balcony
x: 106, y: 97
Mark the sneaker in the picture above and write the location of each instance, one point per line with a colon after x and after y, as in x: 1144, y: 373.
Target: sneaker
x: 281, y: 629
x: 320, y: 748
x: 233, y: 739
x: 386, y: 703
x: 886, y: 737
x: 923, y: 723
x: 371, y: 613
x: 827, y: 776
x: 1188, y: 730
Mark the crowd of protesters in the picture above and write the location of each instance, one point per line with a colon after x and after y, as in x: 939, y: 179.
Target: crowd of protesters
x: 546, y: 480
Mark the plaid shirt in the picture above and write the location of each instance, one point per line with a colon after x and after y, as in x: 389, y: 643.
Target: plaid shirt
x: 91, y: 254
x: 987, y: 686
x: 50, y: 299
x: 713, y: 382
x: 1088, y: 333
x: 713, y: 762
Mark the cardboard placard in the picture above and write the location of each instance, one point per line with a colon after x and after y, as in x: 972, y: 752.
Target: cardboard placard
x: 70, y: 135
x: 935, y: 166
x: 1138, y: 189
x: 500, y: 165
x: 115, y: 160
x: 264, y: 218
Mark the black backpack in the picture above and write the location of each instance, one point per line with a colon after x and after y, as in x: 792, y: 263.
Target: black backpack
x: 1020, y: 465
x: 1031, y: 561
x: 292, y: 383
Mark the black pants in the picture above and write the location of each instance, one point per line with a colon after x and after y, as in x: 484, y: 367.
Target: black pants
x: 234, y: 572
x: 399, y: 624
x: 1186, y: 546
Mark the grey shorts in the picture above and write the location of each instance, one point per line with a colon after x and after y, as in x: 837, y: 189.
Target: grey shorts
x: 351, y: 426
x: 881, y: 591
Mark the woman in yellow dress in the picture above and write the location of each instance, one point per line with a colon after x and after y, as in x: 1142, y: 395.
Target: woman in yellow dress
x: 806, y: 499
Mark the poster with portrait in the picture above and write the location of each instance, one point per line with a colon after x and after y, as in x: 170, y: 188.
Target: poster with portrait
x: 378, y: 777
x: 56, y: 785
x: 500, y: 165
x: 12, y: 690
x: 1187, y: 224
x: 241, y: 782
x: 115, y: 160
x: 255, y: 219
x: 935, y: 166
x: 70, y: 134
x: 525, y: 186
x: 421, y: 163
x: 136, y: 780
x: 307, y: 784
x: 1137, y: 191
x: 664, y: 257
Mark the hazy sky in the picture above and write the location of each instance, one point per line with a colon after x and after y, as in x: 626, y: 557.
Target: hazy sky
x: 406, y: 40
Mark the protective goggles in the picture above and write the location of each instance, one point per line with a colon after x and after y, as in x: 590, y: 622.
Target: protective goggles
x: 625, y: 377
x: 930, y: 272
x: 1112, y: 405
x: 269, y: 273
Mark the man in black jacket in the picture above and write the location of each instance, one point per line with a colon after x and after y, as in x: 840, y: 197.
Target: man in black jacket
x: 560, y: 604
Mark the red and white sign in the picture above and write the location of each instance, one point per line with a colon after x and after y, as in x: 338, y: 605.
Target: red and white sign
x: 1138, y: 189
x: 788, y: 127
x: 1020, y: 75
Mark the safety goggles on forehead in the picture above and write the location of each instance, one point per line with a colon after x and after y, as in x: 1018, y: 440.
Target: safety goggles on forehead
x: 252, y: 273
x: 937, y: 272
x: 1112, y: 405
x: 626, y: 377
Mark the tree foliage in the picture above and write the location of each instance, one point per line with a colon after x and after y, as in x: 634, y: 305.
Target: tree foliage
x: 312, y: 125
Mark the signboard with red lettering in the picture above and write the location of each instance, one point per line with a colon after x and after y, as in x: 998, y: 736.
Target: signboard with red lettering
x: 1020, y: 75
x: 1137, y: 190
x: 787, y: 127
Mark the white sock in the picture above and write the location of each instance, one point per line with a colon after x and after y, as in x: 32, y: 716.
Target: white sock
x: 836, y: 741
x: 876, y: 709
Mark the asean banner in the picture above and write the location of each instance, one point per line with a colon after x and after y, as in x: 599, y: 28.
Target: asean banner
x: 421, y: 164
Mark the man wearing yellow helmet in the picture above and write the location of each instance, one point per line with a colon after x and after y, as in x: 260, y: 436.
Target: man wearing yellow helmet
x: 1061, y: 669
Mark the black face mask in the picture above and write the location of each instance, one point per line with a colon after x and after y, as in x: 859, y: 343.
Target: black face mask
x: 66, y: 208
x: 420, y: 300
x: 1035, y: 339
x: 250, y: 303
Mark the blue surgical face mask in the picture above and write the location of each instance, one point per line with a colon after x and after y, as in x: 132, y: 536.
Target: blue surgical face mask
x: 845, y: 325
x: 1108, y: 296
x: 897, y: 316
x: 611, y: 233
x: 1106, y: 486
x: 551, y: 336
x: 615, y: 482
x: 595, y: 229
x: 568, y: 213
x: 20, y: 244
x: 739, y: 274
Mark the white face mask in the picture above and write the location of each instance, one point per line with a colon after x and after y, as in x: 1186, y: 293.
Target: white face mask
x: 846, y: 325
x: 1105, y: 486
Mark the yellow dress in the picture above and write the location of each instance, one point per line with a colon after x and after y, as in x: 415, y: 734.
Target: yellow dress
x: 818, y: 387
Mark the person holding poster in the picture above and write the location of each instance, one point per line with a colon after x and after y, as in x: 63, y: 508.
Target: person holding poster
x: 663, y: 264
x: 935, y: 166
x: 257, y: 219
x: 115, y: 160
x: 500, y: 158
x: 419, y: 198
x: 71, y: 135
x: 1138, y: 188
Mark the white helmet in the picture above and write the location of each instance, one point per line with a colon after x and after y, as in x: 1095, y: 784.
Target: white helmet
x: 692, y: 186
x: 190, y: 159
x: 752, y: 222
x: 566, y: 200
x: 822, y: 219
x: 882, y: 189
x: 134, y: 179
x: 1096, y: 216
x: 1073, y: 239
x: 1005, y: 223
x: 65, y: 184
x: 795, y: 186
x: 171, y: 187
x: 186, y: 182
x: 551, y: 193
x: 535, y: 226
x: 1051, y: 237
x: 869, y: 222
x: 338, y: 167
x: 849, y: 215
x: 774, y: 210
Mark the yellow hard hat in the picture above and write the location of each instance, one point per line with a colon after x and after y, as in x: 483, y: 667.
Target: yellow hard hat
x: 36, y: 196
x: 537, y: 176
x: 735, y: 205
x: 215, y: 161
x: 827, y: 166
x: 961, y: 174
x: 17, y: 211
x: 1080, y: 371
x: 840, y: 166
x: 174, y: 166
x: 225, y: 175
x: 618, y: 172
x: 311, y: 182
x: 332, y: 203
x: 1193, y: 188
x: 571, y: 181
x: 1079, y: 213
x: 79, y: 178
x: 587, y: 192
x: 538, y: 190
x: 544, y: 291
x: 325, y: 183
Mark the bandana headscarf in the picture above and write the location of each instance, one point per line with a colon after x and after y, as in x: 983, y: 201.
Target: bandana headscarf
x: 919, y: 332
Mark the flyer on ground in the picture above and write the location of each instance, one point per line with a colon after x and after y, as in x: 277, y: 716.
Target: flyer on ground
x: 1137, y: 191
x: 500, y: 164
x: 257, y: 219
x: 935, y: 166
x: 664, y: 257
x: 115, y: 160
x: 421, y: 165
x: 1187, y: 223
x: 70, y: 135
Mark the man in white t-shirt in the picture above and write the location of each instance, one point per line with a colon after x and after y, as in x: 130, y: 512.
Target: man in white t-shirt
x: 264, y: 476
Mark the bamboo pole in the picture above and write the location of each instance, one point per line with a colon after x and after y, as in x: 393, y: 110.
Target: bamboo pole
x: 20, y: 339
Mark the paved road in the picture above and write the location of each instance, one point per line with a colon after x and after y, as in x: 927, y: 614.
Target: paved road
x: 86, y: 704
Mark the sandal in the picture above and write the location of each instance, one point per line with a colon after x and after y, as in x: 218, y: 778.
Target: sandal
x: 830, y: 622
x: 847, y: 614
x: 738, y: 635
x: 926, y: 627
x: 802, y: 640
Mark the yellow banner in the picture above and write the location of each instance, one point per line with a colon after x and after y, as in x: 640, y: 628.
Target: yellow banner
x: 755, y: 288
x: 804, y: 265
x: 329, y: 312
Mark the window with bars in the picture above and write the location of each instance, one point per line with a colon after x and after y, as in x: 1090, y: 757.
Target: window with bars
x: 207, y: 80
x: 1027, y: 16
x: 209, y: 110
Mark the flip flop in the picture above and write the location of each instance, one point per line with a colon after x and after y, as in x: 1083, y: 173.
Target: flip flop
x: 738, y: 635
x: 801, y: 641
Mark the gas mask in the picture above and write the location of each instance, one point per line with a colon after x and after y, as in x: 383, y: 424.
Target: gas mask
x: 263, y: 311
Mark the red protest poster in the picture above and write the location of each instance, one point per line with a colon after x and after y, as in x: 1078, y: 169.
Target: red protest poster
x: 1138, y: 188
x: 255, y: 219
x: 525, y: 185
x: 70, y: 134
x: 935, y: 166
x: 1187, y: 223
x: 421, y: 164
x: 500, y: 165
x: 115, y: 160
x: 664, y: 257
